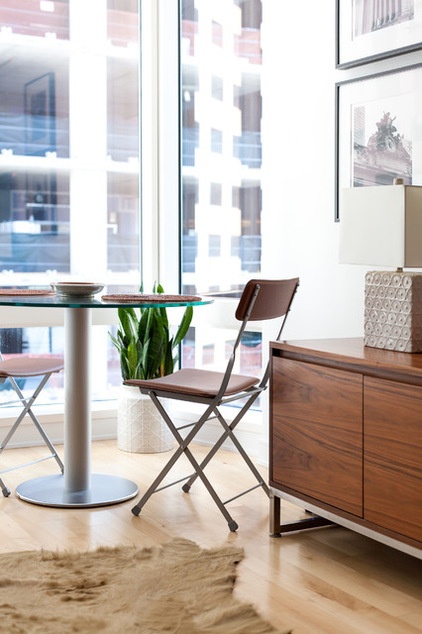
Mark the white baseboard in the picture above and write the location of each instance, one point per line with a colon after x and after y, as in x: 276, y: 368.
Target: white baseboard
x: 104, y: 427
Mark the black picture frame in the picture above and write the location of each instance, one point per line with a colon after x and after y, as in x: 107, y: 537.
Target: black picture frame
x: 364, y: 36
x: 378, y: 130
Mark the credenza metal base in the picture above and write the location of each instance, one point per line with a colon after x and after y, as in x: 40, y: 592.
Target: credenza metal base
x: 322, y: 518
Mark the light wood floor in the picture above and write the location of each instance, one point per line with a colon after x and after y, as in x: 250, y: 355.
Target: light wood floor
x: 329, y: 580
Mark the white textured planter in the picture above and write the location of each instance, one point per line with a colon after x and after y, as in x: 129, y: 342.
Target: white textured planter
x: 140, y: 428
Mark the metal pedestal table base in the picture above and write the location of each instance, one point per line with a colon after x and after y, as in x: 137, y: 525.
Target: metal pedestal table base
x: 103, y: 490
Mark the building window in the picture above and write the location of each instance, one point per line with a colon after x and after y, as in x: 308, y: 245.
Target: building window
x: 221, y: 174
x: 217, y: 33
x: 69, y: 158
x: 69, y: 130
x: 217, y: 88
x: 216, y: 141
x: 214, y: 246
x: 216, y: 194
x: 211, y: 119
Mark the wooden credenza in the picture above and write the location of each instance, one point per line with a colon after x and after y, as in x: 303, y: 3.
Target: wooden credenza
x: 346, y: 438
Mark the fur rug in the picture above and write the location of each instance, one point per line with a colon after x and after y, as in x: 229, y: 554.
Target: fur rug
x: 175, y: 588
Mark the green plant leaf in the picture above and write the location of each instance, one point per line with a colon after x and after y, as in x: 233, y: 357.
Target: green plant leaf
x: 128, y: 322
x: 183, y: 327
x: 144, y: 343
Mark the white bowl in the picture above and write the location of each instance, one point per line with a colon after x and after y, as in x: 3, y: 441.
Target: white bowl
x: 77, y: 289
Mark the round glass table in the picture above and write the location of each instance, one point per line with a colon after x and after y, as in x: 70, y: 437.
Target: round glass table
x: 78, y: 486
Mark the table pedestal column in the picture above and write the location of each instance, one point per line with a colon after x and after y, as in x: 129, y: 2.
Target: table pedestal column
x: 77, y: 410
x: 78, y: 487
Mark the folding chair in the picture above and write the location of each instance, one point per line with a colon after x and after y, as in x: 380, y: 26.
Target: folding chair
x: 261, y: 300
x: 24, y: 366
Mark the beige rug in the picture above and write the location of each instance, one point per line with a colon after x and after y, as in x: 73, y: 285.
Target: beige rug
x: 177, y: 588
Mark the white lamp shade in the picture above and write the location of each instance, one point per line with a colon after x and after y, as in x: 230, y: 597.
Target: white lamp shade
x: 381, y: 226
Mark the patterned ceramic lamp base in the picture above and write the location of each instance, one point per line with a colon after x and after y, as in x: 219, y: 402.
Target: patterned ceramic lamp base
x: 393, y: 310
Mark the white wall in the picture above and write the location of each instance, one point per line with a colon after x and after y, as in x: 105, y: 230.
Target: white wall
x: 300, y: 237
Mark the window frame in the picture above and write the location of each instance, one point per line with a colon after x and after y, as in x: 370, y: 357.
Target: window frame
x: 160, y: 192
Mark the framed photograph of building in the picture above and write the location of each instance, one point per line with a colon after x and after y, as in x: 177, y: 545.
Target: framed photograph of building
x: 40, y: 115
x: 369, y: 30
x: 378, y: 130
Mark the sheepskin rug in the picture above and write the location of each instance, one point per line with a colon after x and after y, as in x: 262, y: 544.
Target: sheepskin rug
x: 177, y: 587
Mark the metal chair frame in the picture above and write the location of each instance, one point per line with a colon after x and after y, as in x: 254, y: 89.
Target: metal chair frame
x: 45, y: 370
x: 249, y: 309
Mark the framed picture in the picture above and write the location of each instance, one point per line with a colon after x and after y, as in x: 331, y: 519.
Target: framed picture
x: 40, y: 115
x: 369, y: 30
x: 379, y: 130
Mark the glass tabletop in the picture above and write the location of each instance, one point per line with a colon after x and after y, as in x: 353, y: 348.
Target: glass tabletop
x: 53, y: 300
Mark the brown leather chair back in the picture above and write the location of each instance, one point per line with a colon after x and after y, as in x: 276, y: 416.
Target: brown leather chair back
x: 273, y: 299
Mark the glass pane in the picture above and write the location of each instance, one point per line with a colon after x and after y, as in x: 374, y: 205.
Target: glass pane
x: 221, y: 107
x: 69, y: 137
x: 69, y: 158
x: 50, y: 341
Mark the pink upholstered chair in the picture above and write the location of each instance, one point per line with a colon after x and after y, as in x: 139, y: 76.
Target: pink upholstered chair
x: 24, y: 366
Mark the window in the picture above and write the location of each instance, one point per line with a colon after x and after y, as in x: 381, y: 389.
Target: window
x: 217, y: 88
x: 69, y: 130
x: 221, y: 111
x: 214, y: 246
x: 69, y: 158
x: 216, y: 141
x: 216, y: 194
x: 221, y: 143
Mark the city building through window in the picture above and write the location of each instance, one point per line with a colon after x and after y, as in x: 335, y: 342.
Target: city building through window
x: 70, y: 157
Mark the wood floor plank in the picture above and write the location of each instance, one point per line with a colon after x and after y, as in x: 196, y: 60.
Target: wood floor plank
x: 326, y: 581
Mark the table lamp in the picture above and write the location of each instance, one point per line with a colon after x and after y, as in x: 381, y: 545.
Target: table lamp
x: 382, y: 226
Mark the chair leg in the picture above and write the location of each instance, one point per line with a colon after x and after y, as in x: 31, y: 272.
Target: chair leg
x: 153, y: 488
x: 174, y: 458
x: 27, y: 409
x: 228, y: 433
x: 47, y: 440
x: 233, y: 526
x: 4, y: 489
x: 247, y: 459
x: 27, y: 403
x: 183, y: 449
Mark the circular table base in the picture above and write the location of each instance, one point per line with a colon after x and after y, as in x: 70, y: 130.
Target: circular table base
x: 104, y: 490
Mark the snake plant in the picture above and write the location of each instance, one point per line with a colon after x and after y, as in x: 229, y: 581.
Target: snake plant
x: 147, y: 351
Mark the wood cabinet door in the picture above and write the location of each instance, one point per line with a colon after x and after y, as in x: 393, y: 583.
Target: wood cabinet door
x: 393, y: 456
x: 316, y: 432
